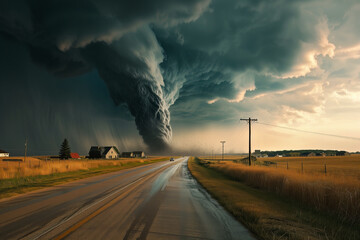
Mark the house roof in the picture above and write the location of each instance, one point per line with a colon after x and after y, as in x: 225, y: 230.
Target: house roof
x: 95, y: 148
x: 74, y: 155
x: 107, y: 149
x: 103, y: 150
x: 137, y: 152
x: 127, y: 153
x: 2, y: 151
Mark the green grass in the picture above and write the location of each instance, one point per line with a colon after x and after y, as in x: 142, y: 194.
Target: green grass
x: 14, y: 186
x: 267, y: 215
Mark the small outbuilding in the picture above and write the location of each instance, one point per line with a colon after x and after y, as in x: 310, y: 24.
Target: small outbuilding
x: 75, y: 155
x: 127, y: 154
x: 312, y: 154
x: 4, y: 153
x: 139, y: 154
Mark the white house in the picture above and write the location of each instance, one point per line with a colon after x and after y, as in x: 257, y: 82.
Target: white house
x: 4, y: 153
x: 108, y: 152
x: 111, y: 152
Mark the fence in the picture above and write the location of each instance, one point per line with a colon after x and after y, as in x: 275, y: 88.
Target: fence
x: 329, y: 165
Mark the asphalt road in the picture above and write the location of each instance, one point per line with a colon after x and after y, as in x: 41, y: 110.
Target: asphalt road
x: 157, y: 201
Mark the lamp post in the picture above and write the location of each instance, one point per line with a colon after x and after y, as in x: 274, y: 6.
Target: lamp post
x: 222, y: 142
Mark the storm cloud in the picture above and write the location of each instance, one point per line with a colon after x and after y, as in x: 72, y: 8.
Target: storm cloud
x: 202, y: 61
x: 71, y: 38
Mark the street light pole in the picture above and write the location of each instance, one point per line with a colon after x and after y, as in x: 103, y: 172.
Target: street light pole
x: 222, y: 142
x: 25, y: 150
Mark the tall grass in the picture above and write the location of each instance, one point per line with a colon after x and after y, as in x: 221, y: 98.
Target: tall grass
x: 335, y: 165
x: 35, y: 167
x: 337, y: 195
x: 21, y: 177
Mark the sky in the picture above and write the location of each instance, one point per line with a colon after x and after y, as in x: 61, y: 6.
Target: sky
x: 176, y: 76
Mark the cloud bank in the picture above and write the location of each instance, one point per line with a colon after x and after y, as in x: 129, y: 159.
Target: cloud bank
x: 202, y: 61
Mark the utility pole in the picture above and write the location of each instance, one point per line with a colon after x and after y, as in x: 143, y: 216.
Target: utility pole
x: 223, y: 142
x: 249, y: 120
x: 25, y: 150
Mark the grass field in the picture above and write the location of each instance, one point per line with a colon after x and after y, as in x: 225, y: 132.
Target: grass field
x: 34, y: 166
x: 277, y: 204
x: 19, y: 177
x: 337, y: 166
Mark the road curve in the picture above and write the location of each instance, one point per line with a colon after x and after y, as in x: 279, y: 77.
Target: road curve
x: 157, y: 201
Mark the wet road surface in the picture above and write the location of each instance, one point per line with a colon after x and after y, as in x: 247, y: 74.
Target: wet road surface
x: 157, y: 201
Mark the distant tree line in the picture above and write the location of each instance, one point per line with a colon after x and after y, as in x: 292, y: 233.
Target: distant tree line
x: 303, y: 153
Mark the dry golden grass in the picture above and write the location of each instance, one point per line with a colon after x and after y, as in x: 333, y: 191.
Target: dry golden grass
x: 269, y: 215
x: 34, y: 166
x: 338, y: 166
x: 339, y: 194
x: 218, y: 157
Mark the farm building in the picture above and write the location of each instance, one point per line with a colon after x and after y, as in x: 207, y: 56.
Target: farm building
x: 75, y: 155
x: 312, y: 154
x: 139, y: 154
x: 127, y: 155
x: 135, y: 154
x: 108, y: 152
x: 258, y: 154
x: 4, y: 153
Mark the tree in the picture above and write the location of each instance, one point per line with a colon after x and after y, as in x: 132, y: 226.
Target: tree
x: 65, y: 150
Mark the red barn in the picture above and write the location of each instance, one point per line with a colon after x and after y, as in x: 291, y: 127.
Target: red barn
x: 75, y: 155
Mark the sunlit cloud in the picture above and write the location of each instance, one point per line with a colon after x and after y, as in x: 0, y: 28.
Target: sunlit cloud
x: 307, y: 60
x: 348, y: 53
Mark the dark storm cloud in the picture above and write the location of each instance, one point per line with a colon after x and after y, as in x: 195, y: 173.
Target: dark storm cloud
x: 271, y: 84
x: 256, y: 34
x: 190, y: 74
x: 206, y: 58
x: 45, y: 109
x: 70, y: 38
x: 194, y: 57
x: 138, y: 88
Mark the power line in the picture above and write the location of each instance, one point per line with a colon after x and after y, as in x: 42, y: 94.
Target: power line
x: 312, y: 132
